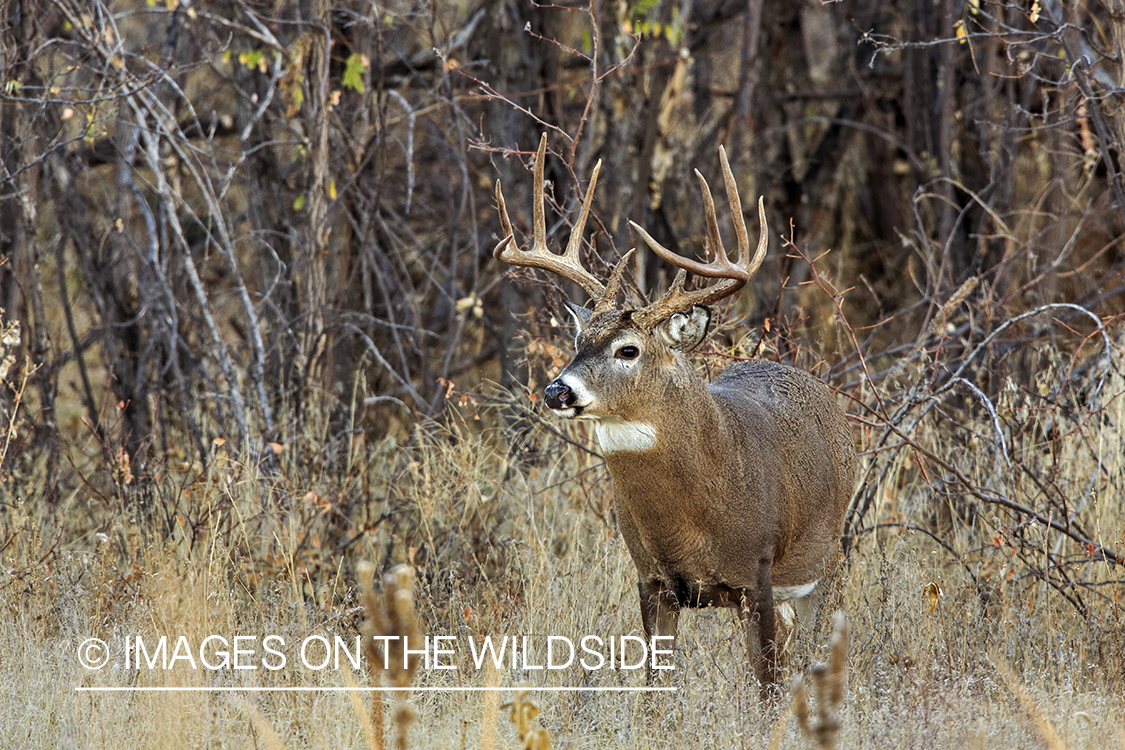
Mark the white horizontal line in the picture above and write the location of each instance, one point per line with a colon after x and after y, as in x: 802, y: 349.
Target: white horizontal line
x: 568, y: 689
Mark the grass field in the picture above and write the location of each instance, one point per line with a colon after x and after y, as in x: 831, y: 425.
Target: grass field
x: 955, y: 641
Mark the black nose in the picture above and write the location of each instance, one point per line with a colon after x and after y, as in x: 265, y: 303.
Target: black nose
x: 558, y: 395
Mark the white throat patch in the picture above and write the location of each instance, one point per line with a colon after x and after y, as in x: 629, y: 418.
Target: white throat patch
x: 619, y: 437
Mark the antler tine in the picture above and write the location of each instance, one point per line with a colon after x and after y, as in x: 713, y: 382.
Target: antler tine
x: 733, y: 275
x: 608, y: 300
x: 505, y: 224
x: 567, y: 265
x: 537, y: 204
x: 575, y: 242
x: 714, y: 239
x: 740, y: 222
x: 763, y: 238
x: 735, y: 209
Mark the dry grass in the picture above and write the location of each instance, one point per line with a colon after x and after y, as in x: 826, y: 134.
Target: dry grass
x: 915, y: 674
x: 504, y: 548
x: 828, y: 681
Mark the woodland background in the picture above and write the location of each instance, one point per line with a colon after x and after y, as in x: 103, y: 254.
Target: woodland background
x: 250, y: 304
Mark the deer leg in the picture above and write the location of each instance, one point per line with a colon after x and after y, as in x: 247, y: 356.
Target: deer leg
x: 767, y: 665
x: 660, y: 614
x: 757, y: 612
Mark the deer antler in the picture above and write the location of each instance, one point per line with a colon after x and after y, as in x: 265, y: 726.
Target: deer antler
x: 566, y: 265
x: 734, y: 275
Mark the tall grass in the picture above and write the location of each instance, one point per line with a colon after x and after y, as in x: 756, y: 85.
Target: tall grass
x: 964, y: 626
x: 505, y: 549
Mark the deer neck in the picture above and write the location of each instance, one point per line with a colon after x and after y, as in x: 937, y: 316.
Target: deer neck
x: 668, y: 442
x: 664, y: 494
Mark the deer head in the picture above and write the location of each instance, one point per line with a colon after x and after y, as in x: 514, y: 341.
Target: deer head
x: 624, y: 346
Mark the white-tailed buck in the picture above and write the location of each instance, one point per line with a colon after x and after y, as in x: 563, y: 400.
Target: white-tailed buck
x: 730, y: 494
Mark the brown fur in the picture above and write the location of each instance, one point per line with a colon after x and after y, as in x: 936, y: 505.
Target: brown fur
x: 745, y: 489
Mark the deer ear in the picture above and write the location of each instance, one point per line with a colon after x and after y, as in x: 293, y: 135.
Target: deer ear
x: 685, y: 330
x: 580, y: 315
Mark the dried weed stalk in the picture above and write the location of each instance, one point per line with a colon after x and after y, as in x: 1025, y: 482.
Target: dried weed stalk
x: 828, y: 686
x: 490, y: 707
x: 391, y: 625
x: 523, y: 715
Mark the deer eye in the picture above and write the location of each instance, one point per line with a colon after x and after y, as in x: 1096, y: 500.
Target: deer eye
x: 628, y: 352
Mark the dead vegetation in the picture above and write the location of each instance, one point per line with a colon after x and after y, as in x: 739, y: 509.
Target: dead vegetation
x: 252, y: 330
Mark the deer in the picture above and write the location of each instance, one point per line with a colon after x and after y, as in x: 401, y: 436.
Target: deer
x: 728, y: 494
